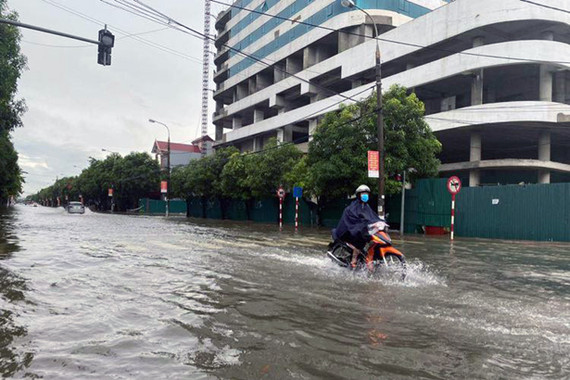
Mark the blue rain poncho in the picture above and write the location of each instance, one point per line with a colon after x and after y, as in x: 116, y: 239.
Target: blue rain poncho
x: 353, y: 225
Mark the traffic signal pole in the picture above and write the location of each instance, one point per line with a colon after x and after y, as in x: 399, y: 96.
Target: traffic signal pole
x: 105, y: 43
x: 44, y: 30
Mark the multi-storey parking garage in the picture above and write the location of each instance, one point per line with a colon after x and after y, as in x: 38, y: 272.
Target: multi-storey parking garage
x: 494, y: 75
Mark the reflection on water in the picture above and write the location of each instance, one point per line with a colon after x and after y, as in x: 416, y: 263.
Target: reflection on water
x: 112, y: 296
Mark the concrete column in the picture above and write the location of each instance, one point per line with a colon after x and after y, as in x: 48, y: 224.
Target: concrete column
x: 236, y: 122
x: 544, y: 155
x: 263, y: 81
x: 559, y: 87
x: 410, y: 66
x: 312, y: 127
x: 285, y: 134
x: 278, y: 72
x: 293, y: 65
x: 241, y: 91
x: 353, y: 36
x: 257, y: 144
x: 252, y: 85
x: 477, y: 88
x: 475, y: 155
x: 219, y: 133
x: 545, y: 85
x: 477, y: 81
x: 309, y: 56
x: 258, y: 115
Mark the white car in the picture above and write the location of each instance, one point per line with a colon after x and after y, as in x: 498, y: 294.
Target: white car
x: 75, y: 208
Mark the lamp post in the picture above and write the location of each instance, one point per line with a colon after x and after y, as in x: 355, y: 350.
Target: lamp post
x: 112, y: 183
x: 380, y: 116
x: 167, y: 167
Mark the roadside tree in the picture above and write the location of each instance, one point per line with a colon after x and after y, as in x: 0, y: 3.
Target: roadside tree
x: 337, y: 156
x: 12, y: 63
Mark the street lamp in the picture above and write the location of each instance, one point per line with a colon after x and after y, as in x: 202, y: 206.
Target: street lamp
x: 380, y: 116
x: 167, y: 166
x: 112, y: 183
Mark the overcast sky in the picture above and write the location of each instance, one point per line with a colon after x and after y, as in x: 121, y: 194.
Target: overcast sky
x: 77, y: 107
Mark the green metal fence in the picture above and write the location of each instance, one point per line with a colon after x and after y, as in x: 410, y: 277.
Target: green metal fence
x: 153, y: 206
x: 530, y: 212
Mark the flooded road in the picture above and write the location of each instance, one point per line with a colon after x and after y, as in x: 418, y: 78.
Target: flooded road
x: 122, y: 297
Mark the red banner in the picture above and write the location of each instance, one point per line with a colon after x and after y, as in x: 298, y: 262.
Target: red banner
x: 163, y: 187
x: 373, y: 164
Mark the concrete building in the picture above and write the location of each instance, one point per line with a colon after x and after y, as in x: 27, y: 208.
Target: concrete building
x: 494, y: 75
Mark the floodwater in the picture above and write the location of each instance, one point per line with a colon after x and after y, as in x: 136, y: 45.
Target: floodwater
x: 122, y: 297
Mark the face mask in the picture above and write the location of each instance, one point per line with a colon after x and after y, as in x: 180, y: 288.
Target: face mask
x: 364, y: 198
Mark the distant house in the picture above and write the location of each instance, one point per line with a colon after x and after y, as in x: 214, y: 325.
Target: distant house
x: 205, y: 143
x: 180, y: 154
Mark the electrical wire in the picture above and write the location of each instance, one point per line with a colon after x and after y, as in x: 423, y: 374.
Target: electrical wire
x: 125, y: 33
x: 546, y: 6
x: 394, y: 41
x: 202, y: 36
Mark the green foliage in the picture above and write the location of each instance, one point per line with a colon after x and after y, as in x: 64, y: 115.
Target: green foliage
x: 268, y: 170
x: 338, y: 153
x: 132, y: 177
x: 12, y: 62
x: 202, y: 177
x: 10, y: 177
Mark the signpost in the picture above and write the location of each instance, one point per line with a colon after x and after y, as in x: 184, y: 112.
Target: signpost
x: 297, y: 193
x: 281, y: 195
x: 453, y: 186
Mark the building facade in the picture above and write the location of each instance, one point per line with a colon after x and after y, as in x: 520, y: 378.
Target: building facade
x: 180, y: 154
x: 494, y: 75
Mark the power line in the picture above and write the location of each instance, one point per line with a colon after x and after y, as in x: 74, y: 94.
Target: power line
x: 125, y: 33
x: 546, y: 6
x: 393, y: 41
x: 88, y: 45
x: 238, y: 51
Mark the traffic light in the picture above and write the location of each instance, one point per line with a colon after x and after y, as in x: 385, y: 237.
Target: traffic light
x: 106, y: 43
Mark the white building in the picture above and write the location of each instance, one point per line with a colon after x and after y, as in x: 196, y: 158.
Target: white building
x: 494, y: 75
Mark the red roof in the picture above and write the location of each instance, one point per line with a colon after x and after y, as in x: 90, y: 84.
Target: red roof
x: 162, y: 146
x: 203, y: 138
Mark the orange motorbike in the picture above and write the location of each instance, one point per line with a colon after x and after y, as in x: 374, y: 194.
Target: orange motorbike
x: 378, y: 254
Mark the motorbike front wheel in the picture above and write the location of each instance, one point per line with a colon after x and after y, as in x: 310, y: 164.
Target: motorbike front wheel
x: 394, y: 264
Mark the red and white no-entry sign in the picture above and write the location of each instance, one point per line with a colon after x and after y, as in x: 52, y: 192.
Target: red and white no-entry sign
x: 453, y: 186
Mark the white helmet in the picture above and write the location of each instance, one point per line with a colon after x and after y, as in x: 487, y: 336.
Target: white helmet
x: 362, y: 189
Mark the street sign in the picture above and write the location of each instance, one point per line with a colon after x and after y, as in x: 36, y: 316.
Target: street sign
x: 373, y: 164
x: 281, y: 193
x: 453, y: 185
x: 110, y: 192
x: 163, y: 187
x: 297, y: 192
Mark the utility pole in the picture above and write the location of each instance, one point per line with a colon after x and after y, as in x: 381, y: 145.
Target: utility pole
x: 380, y: 115
x: 206, y: 71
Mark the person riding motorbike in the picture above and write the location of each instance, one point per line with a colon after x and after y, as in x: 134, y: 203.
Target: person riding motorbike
x: 353, y: 226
